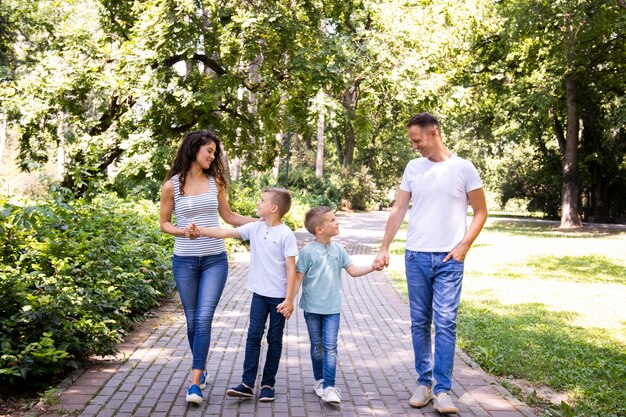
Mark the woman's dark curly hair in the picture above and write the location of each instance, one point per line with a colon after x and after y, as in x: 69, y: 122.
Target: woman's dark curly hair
x: 187, y: 152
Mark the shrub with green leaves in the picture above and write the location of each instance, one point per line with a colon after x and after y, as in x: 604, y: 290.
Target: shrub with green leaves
x: 74, y: 277
x: 244, y: 195
x: 360, y: 190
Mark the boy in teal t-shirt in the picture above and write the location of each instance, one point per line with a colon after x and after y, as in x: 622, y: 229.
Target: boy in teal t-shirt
x: 319, y: 271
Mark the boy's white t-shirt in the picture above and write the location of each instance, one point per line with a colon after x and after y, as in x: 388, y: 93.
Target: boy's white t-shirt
x: 269, y: 246
x: 438, y: 216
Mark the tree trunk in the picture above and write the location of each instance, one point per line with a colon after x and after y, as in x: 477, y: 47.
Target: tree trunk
x: 236, y: 168
x: 348, y: 151
x: 350, y: 102
x: 319, y: 159
x: 570, y: 213
x: 276, y: 168
x: 338, y: 146
x: 601, y: 200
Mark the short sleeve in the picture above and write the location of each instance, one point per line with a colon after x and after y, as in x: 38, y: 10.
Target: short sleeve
x: 290, y: 244
x: 405, y: 184
x: 246, y: 230
x: 346, y: 262
x: 304, y: 261
x: 472, y: 178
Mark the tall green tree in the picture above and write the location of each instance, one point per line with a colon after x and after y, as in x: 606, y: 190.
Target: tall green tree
x: 542, y: 69
x: 131, y: 77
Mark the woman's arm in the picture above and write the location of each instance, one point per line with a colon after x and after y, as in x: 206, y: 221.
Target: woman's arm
x: 166, y: 210
x: 229, y: 216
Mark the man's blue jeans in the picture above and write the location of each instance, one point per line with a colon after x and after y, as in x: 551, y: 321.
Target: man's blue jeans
x: 434, y: 295
x: 323, y: 330
x: 200, y: 281
x: 260, y: 308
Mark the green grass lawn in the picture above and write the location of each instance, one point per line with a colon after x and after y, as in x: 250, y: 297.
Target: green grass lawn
x: 546, y: 309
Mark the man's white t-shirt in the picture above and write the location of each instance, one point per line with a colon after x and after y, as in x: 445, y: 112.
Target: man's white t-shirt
x: 438, y: 217
x: 269, y: 246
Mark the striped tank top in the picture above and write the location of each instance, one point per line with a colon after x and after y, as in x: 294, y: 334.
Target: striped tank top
x: 199, y: 209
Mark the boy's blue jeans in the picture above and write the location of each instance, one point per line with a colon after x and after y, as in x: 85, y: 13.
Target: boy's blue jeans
x: 323, y: 330
x: 200, y: 281
x: 434, y: 295
x: 260, y: 308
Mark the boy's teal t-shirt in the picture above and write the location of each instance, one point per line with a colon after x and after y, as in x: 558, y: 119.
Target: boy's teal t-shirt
x: 321, y: 287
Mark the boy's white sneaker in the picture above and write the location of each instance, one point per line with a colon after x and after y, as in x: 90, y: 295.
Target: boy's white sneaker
x: 443, y: 403
x: 331, y: 395
x: 319, y: 387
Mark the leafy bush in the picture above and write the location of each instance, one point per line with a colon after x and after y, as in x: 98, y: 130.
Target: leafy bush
x: 536, y: 181
x: 360, y: 190
x: 74, y: 276
x: 313, y: 191
x: 244, y: 195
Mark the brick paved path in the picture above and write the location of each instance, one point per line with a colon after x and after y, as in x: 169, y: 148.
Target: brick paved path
x: 375, y: 360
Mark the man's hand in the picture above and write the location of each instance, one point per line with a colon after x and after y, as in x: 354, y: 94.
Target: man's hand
x: 382, y: 260
x: 458, y: 253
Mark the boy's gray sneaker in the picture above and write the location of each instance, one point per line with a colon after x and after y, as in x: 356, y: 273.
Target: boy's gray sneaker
x: 443, y: 403
x: 319, y: 388
x: 331, y: 395
x: 421, y: 396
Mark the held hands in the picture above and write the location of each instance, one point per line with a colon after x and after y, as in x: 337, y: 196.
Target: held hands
x: 192, y: 231
x: 381, y: 261
x: 377, y: 266
x: 285, y: 308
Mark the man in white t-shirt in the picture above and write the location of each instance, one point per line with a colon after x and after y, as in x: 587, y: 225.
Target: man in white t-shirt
x: 439, y: 185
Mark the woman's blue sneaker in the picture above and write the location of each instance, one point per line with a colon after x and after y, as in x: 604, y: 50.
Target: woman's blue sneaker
x: 194, y: 395
x: 240, y: 391
x: 203, y: 380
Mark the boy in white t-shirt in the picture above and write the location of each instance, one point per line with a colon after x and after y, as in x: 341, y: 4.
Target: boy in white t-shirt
x: 271, y: 278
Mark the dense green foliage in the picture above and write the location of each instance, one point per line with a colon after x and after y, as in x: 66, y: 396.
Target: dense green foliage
x: 74, y: 276
x: 538, y: 68
x: 122, y: 81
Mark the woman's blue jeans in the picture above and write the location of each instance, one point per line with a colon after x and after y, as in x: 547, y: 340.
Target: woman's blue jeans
x: 323, y: 330
x: 200, y: 281
x: 260, y: 308
x: 434, y: 295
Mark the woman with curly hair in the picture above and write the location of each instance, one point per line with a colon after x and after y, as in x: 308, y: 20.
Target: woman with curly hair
x: 195, y: 192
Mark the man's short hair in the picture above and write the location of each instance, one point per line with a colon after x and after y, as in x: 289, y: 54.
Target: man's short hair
x: 313, y: 218
x: 280, y: 197
x: 424, y: 120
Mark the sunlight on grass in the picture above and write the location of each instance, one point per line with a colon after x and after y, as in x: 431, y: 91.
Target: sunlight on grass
x: 594, y: 268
